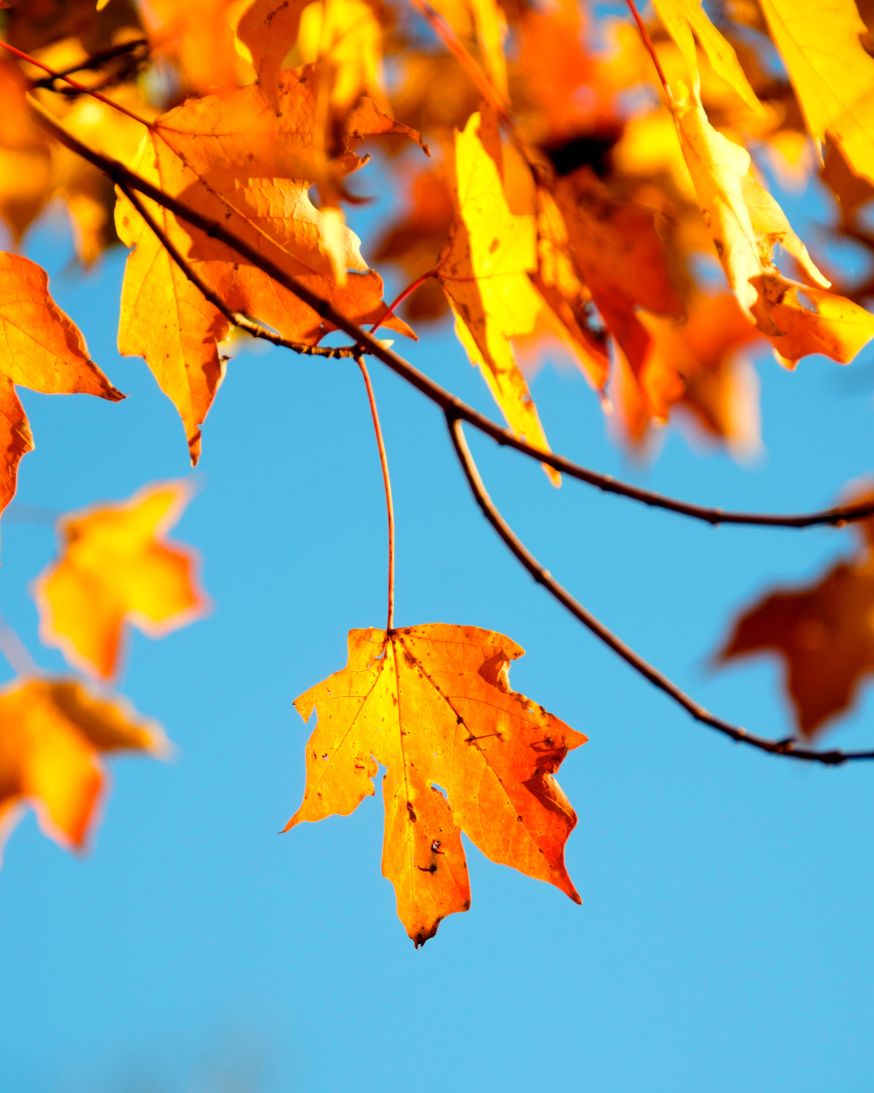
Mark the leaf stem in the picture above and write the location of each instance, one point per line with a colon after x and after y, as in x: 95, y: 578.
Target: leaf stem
x: 786, y: 748
x: 445, y: 400
x: 386, y: 481
x: 401, y: 296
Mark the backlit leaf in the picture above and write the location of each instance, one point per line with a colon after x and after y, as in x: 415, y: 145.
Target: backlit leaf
x: 462, y: 752
x: 485, y: 271
x: 833, y: 76
x: 686, y: 22
x: 747, y: 224
x: 204, y: 152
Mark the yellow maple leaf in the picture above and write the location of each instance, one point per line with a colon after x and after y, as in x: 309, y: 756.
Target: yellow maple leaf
x: 747, y: 224
x: 461, y: 751
x: 686, y: 22
x: 833, y: 76
x: 117, y: 568
x: 485, y: 271
x: 345, y: 33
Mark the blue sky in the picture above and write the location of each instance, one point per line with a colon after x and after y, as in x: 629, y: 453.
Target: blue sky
x: 724, y: 941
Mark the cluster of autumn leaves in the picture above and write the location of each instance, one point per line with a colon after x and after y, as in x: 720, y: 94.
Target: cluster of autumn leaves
x: 115, y: 569
x: 569, y: 184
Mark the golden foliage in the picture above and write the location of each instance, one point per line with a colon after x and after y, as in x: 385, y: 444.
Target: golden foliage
x: 117, y: 568
x: 462, y: 752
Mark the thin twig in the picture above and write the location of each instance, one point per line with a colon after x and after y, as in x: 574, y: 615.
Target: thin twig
x: 242, y: 322
x: 21, y: 513
x: 16, y: 652
x: 467, y: 62
x: 787, y: 748
x: 449, y: 403
x: 85, y: 90
x: 134, y: 52
x: 649, y: 46
x: 401, y: 296
x: 386, y: 481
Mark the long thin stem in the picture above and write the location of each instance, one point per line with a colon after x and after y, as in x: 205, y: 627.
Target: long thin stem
x: 649, y: 46
x: 386, y: 482
x: 787, y: 748
x: 367, y: 343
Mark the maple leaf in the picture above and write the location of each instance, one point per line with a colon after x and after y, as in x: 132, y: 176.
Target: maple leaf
x: 198, y: 36
x: 117, y: 567
x: 747, y: 223
x: 248, y: 164
x: 696, y: 365
x: 606, y: 238
x: 687, y: 21
x: 485, y: 271
x: 52, y: 734
x: 832, y: 74
x: 824, y: 634
x: 565, y: 293
x: 41, y: 349
x: 461, y: 751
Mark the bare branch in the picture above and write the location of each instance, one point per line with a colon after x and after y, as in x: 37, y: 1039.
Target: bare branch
x: 787, y: 748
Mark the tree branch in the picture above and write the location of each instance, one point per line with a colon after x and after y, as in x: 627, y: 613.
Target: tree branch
x: 122, y: 177
x: 787, y: 748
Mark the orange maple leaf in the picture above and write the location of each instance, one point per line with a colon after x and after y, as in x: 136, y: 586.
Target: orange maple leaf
x: 697, y: 365
x: 52, y: 733
x: 462, y: 752
x: 247, y: 163
x: 116, y: 567
x: 40, y: 348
